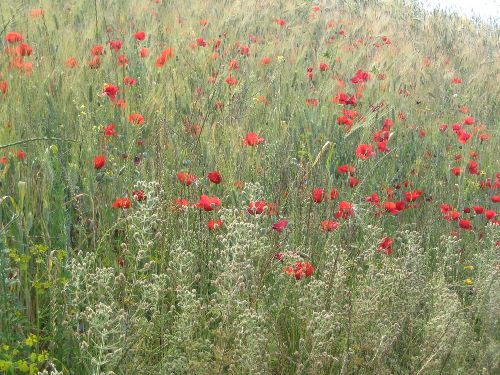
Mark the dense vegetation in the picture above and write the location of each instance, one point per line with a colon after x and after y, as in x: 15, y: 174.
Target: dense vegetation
x: 248, y: 187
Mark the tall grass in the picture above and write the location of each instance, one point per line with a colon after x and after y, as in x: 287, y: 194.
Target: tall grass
x: 87, y: 288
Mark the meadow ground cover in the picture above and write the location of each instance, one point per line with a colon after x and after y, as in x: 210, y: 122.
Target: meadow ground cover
x: 248, y: 187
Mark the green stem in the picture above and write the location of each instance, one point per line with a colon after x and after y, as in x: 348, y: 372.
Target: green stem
x: 36, y: 139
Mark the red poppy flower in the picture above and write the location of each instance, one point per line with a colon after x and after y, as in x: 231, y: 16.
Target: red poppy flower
x: 374, y: 199
x: 110, y: 90
x: 279, y: 256
x: 346, y: 168
x: 456, y: 128
x: 345, y: 210
x: 469, y: 120
x: 364, y: 151
x: 71, y: 62
x: 449, y: 213
x: 208, y: 203
x: 353, y: 182
x: 164, y: 57
x: 233, y: 64
x: 329, y: 225
x: 360, y: 76
x: 323, y: 67
x: 280, y: 225
x: 318, y: 195
x: 309, y: 72
x: 311, y: 102
x: 257, y: 207
x: 334, y: 194
x: 140, y: 35
x: 122, y: 60
x: 128, y: 81
x: 3, y: 160
x: 484, y: 137
x: 110, y: 130
x: 200, y: 42
x: 345, y: 120
x: 265, y: 60
x: 443, y: 127
x: 386, y: 246
x: 97, y: 50
x: 495, y: 198
x: 456, y: 171
x: 381, y: 135
x: 280, y: 21
x: 382, y: 146
x: 252, y: 139
x: 400, y: 205
x: 136, y: 118
x: 213, y: 224
x: 485, y: 183
x: 181, y: 203
x: 490, y: 214
x: 390, y: 194
x: 452, y: 215
x: 394, y: 207
x: 139, y: 195
x: 473, y: 167
x: 300, y: 270
x: 143, y: 52
x: 465, y: 224
x: 99, y: 161
x: 478, y: 209
x: 412, y: 196
x: 25, y: 67
x: 463, y: 136
x: 245, y: 50
x: 21, y: 154
x: 3, y: 86
x: 350, y: 113
x: 121, y: 203
x: 231, y: 81
x: 13, y: 37
x: 344, y: 99
x: 185, y: 178
x: 23, y: 50
x: 214, y: 177
x: 444, y: 207
x: 115, y: 45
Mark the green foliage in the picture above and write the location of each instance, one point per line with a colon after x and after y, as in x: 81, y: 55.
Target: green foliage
x: 86, y: 288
